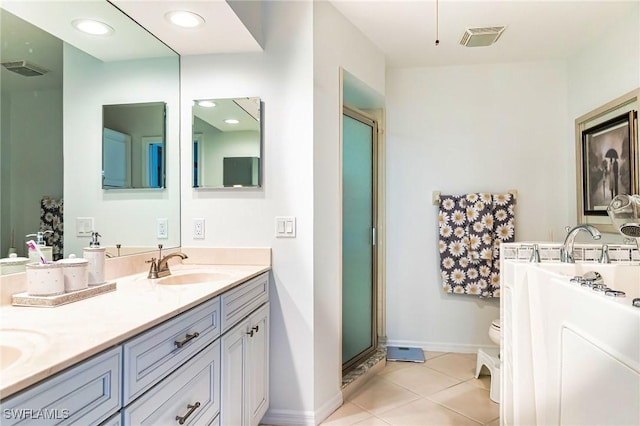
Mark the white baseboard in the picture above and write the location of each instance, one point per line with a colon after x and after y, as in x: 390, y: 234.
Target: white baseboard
x: 439, y: 347
x: 302, y: 418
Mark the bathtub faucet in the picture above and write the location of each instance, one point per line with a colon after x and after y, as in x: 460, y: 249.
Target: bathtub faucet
x: 566, y: 252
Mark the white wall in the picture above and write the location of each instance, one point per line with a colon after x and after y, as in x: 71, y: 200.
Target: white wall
x: 509, y: 126
x: 458, y: 130
x: 606, y: 69
x: 35, y: 144
x: 216, y: 145
x: 506, y: 123
x: 127, y: 217
x: 298, y: 81
x: 282, y: 77
x: 337, y: 44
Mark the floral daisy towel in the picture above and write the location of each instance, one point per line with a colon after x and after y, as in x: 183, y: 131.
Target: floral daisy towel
x: 51, y: 219
x: 471, y: 228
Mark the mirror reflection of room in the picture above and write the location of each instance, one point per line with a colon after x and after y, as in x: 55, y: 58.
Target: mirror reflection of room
x: 133, y: 146
x: 32, y: 134
x: 55, y: 80
x: 227, y: 143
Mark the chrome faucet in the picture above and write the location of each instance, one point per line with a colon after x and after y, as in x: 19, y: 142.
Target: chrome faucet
x: 566, y: 252
x: 161, y: 268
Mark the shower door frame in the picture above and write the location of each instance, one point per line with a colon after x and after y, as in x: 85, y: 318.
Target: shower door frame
x: 375, y: 261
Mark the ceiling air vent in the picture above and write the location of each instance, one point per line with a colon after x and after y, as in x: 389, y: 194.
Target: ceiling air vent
x: 476, y: 37
x: 25, y: 68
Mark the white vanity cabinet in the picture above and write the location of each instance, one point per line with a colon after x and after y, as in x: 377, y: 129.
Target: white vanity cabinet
x: 208, y: 365
x: 85, y: 394
x: 245, y: 354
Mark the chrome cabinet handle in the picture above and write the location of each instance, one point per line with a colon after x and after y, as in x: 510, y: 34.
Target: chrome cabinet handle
x: 187, y: 338
x: 191, y: 408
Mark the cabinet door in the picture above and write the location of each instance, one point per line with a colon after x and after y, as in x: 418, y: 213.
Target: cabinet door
x: 233, y: 401
x: 257, y: 365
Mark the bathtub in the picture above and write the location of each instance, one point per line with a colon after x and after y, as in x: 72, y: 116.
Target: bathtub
x: 573, y: 353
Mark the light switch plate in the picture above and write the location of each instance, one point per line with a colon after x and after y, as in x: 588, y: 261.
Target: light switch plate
x: 84, y: 226
x: 285, y: 227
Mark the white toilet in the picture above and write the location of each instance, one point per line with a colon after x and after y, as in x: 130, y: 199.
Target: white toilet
x: 490, y: 358
x: 494, y: 331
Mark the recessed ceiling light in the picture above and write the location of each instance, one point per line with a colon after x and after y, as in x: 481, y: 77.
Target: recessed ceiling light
x: 231, y: 121
x: 184, y: 19
x: 207, y: 104
x: 91, y: 26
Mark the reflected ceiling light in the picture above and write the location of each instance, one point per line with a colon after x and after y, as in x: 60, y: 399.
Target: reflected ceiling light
x: 184, y: 19
x: 207, y: 104
x: 93, y: 27
x: 231, y: 121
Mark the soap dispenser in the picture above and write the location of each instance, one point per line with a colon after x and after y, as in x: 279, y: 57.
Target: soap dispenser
x: 96, y: 256
x: 47, y: 251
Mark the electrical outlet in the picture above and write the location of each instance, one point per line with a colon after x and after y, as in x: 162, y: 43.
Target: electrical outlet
x: 198, y: 229
x: 162, y: 231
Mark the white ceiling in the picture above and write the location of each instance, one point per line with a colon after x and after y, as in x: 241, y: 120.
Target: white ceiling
x: 55, y: 16
x: 405, y: 31
x: 223, y: 31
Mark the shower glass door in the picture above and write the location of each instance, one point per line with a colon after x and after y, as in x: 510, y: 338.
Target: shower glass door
x: 359, y: 338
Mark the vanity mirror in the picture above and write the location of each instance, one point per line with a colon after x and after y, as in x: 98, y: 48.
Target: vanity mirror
x: 133, y: 145
x: 227, y: 143
x: 52, y: 119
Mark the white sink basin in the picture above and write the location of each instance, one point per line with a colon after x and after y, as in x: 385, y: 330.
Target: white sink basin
x: 199, y: 277
x: 20, y: 345
x: 9, y: 355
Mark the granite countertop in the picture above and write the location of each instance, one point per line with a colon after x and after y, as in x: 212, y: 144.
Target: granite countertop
x: 59, y: 337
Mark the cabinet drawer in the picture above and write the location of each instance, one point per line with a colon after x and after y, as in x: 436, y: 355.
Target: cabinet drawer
x: 86, y: 394
x: 236, y: 304
x: 153, y: 355
x: 191, y: 392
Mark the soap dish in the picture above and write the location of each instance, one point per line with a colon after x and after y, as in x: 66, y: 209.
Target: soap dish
x: 24, y: 299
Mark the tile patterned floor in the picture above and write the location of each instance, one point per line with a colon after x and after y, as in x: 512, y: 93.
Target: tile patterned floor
x: 441, y: 391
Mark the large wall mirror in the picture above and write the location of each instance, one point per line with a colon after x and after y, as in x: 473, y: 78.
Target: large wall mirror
x: 133, y: 146
x: 227, y: 143
x: 52, y: 128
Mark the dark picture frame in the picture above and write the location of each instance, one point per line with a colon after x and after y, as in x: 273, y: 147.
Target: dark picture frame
x: 608, y: 163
